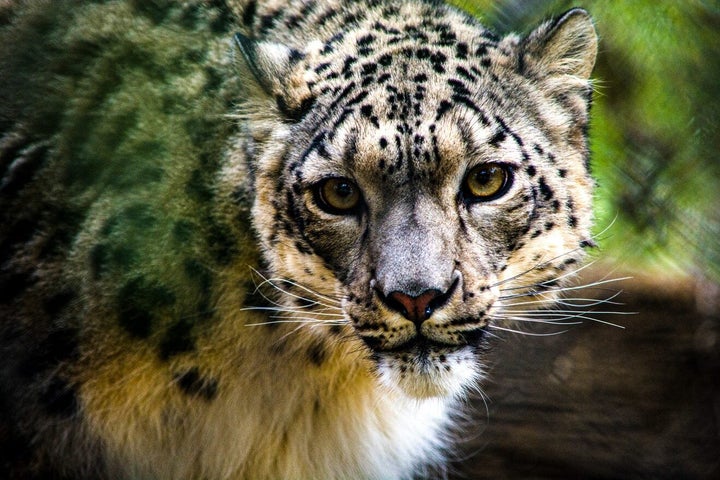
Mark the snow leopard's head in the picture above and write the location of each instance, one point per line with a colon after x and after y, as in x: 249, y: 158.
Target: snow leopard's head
x: 409, y: 188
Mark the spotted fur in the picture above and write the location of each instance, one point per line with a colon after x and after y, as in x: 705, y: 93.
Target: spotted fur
x: 176, y: 301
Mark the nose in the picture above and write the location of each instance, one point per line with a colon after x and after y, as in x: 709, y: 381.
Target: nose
x: 418, y: 308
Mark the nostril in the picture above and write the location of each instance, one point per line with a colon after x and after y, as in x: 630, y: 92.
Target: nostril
x: 417, y: 309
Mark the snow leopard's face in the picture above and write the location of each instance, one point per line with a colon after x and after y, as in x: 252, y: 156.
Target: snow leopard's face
x: 420, y: 188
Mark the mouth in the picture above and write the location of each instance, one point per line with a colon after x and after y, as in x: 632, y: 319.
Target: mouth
x: 423, y: 368
x: 420, y: 345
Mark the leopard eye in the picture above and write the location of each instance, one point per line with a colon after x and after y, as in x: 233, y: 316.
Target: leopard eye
x: 338, y: 195
x: 487, y: 182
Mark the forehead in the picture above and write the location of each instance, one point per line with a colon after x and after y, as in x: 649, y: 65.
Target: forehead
x: 404, y: 77
x: 430, y: 150
x: 409, y: 94
x: 402, y: 56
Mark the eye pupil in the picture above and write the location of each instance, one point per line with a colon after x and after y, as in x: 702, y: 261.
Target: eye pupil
x: 344, y: 190
x: 338, y: 196
x: 486, y: 182
x: 484, y: 176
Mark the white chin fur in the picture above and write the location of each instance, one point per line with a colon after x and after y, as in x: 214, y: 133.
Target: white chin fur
x: 437, y: 374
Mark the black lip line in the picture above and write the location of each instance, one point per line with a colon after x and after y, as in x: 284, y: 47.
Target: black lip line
x: 424, y: 344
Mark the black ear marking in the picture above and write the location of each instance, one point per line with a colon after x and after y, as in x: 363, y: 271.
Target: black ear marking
x: 267, y: 61
x: 271, y: 64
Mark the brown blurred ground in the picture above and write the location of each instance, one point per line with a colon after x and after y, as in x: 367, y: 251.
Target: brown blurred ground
x: 600, y: 402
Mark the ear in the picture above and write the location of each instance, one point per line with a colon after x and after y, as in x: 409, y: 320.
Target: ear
x: 267, y: 61
x: 274, y: 67
x: 566, y: 46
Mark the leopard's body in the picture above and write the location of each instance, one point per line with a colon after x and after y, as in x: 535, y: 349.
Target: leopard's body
x: 179, y: 298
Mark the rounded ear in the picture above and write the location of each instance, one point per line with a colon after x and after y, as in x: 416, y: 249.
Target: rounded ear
x: 267, y: 61
x: 565, y: 46
x: 273, y: 67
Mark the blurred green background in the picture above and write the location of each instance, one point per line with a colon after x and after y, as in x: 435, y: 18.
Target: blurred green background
x: 655, y: 138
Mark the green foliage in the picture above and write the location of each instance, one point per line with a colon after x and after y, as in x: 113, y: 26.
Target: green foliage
x: 655, y: 133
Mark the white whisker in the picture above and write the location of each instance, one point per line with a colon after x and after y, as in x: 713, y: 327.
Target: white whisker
x: 592, y: 285
x: 321, y: 313
x: 565, y: 302
x: 302, y: 320
x: 560, y: 313
x: 274, y: 281
x: 599, y: 235
x: 311, y: 302
x: 538, y: 320
x: 538, y: 265
x: 587, y: 286
x: 277, y: 322
x: 571, y: 272
x: 316, y: 310
x: 589, y: 302
x: 579, y: 316
x: 336, y: 319
x: 510, y: 330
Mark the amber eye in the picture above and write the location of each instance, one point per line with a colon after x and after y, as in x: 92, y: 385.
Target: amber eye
x: 338, y: 195
x: 487, y: 182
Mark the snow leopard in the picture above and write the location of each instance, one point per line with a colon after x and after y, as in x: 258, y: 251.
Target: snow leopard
x: 267, y: 239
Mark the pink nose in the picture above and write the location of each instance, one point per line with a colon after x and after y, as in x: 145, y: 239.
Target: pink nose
x: 416, y: 309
